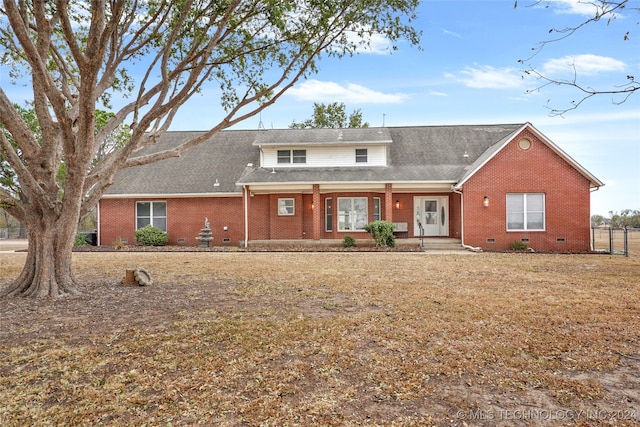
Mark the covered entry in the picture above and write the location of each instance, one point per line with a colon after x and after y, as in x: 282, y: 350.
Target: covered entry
x: 433, y: 214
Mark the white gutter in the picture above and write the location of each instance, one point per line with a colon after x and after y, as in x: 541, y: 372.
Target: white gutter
x: 168, y: 195
x: 245, y: 193
x: 471, y: 248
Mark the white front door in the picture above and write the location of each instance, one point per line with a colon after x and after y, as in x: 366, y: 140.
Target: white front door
x: 432, y: 213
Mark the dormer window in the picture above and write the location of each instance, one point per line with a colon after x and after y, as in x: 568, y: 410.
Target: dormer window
x: 361, y: 155
x: 292, y: 156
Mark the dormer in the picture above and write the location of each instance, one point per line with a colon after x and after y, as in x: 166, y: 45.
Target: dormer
x: 322, y: 148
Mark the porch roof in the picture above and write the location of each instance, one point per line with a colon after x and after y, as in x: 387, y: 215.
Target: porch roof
x: 382, y: 174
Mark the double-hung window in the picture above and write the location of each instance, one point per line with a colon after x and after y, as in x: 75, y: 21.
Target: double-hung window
x: 151, y: 213
x: 352, y: 213
x: 525, y: 212
x: 292, y: 156
x: 361, y: 155
x: 286, y: 207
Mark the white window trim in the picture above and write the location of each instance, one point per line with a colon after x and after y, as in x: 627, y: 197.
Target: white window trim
x: 283, y: 206
x: 379, y: 206
x: 328, y: 221
x: 151, y: 215
x: 364, y: 156
x: 292, y: 157
x: 544, y: 213
x: 288, y: 162
x: 351, y: 213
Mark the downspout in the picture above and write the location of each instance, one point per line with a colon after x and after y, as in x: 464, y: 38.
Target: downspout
x: 471, y: 248
x: 245, y: 194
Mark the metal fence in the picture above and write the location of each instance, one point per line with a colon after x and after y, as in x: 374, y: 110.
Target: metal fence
x: 619, y: 241
x: 13, y: 233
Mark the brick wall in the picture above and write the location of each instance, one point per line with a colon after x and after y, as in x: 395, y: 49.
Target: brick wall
x: 259, y: 217
x: 185, y: 219
x: 536, y: 170
x: 117, y: 221
x: 455, y: 216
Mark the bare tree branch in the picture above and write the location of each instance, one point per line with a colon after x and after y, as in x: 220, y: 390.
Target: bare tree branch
x: 603, y: 9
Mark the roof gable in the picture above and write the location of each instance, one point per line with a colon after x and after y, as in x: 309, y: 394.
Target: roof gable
x: 493, y: 150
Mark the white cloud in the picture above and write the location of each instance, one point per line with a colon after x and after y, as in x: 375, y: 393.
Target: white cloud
x: 436, y: 93
x: 377, y: 43
x: 583, y: 64
x: 451, y: 33
x: 351, y: 93
x: 576, y: 7
x: 487, y: 77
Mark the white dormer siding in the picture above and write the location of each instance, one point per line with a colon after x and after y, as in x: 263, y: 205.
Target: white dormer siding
x: 327, y: 156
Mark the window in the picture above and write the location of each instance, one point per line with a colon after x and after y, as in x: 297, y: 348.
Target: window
x: 328, y: 214
x: 525, y: 212
x: 299, y: 156
x: 284, y: 156
x: 376, y: 209
x: 361, y: 155
x: 292, y: 156
x: 154, y: 213
x: 286, y: 207
x: 352, y: 213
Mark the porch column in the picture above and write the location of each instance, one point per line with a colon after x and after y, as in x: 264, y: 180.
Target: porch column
x: 388, y: 202
x: 317, y: 213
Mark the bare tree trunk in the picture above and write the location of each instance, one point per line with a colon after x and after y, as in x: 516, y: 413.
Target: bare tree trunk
x: 47, y: 269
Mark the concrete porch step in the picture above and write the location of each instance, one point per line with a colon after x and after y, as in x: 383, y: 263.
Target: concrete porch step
x: 441, y: 243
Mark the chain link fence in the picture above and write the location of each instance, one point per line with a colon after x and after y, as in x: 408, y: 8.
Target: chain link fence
x: 619, y: 241
x: 13, y: 233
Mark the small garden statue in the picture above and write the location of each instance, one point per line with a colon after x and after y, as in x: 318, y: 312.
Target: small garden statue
x: 207, y: 224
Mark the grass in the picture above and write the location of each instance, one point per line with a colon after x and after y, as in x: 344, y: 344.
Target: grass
x: 328, y: 339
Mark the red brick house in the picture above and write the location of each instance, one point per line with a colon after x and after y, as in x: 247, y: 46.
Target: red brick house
x: 487, y: 185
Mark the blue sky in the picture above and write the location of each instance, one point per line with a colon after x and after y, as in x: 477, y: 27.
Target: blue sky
x: 468, y: 73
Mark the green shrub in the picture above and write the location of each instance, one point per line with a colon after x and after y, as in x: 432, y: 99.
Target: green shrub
x: 382, y: 233
x: 348, y: 242
x: 151, y: 236
x: 80, y: 240
x: 518, y: 246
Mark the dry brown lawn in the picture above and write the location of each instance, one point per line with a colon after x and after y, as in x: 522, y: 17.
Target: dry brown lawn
x: 299, y: 339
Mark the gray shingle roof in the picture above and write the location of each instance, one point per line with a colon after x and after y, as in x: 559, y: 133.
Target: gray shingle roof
x: 224, y: 158
x: 421, y: 153
x: 324, y: 136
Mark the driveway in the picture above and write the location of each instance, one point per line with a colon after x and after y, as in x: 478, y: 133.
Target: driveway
x: 12, y: 245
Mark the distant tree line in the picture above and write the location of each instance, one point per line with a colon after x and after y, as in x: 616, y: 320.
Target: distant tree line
x: 626, y: 218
